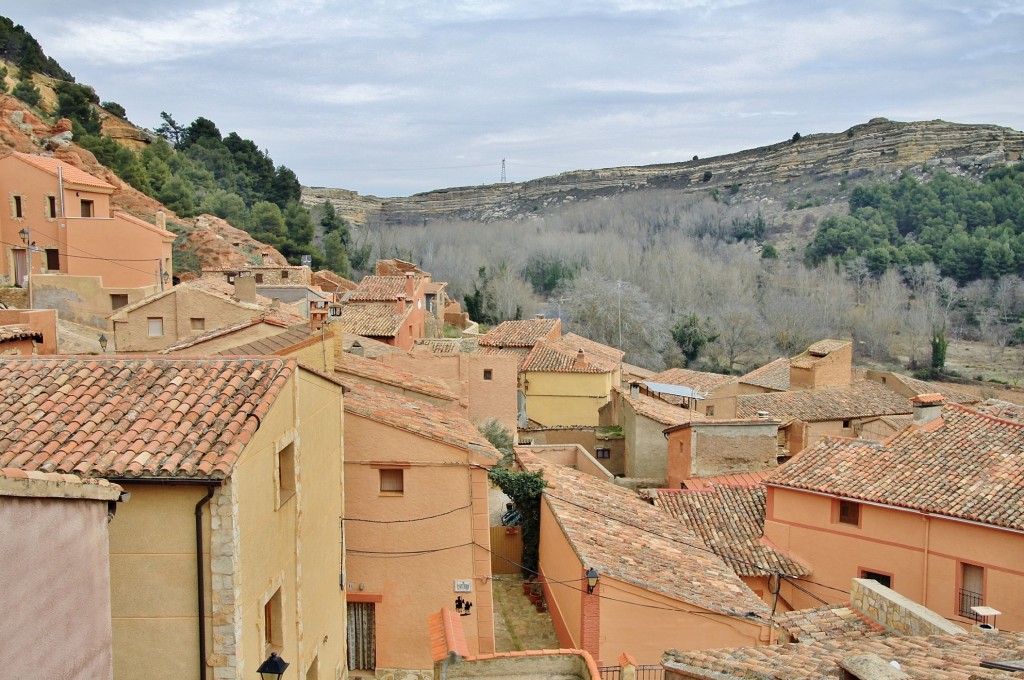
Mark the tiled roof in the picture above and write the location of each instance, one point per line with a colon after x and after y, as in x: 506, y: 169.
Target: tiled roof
x: 773, y: 376
x: 660, y: 411
x: 738, y: 479
x: 417, y: 417
x: 633, y: 373
x: 215, y: 333
x: 520, y: 333
x: 368, y: 347
x: 618, y: 533
x: 825, y: 347
x: 71, y: 174
x: 283, y: 314
x: 336, y: 283
x: 375, y: 371
x: 560, y: 356
x: 730, y: 520
x: 701, y: 381
x: 19, y: 331
x: 860, y: 399
x: 1001, y: 409
x: 935, y: 657
x: 827, y: 623
x: 279, y: 344
x: 918, y: 387
x: 439, y: 345
x: 969, y: 466
x: 134, y: 418
x: 379, y: 289
x: 35, y: 484
x: 376, y: 320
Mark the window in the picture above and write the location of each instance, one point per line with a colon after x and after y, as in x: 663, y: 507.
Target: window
x: 284, y: 274
x: 603, y: 453
x: 51, y: 207
x: 392, y: 481
x: 198, y: 323
x: 883, y: 579
x: 846, y: 423
x: 273, y: 624
x: 87, y: 208
x: 156, y: 326
x: 849, y: 512
x: 488, y: 374
x: 972, y: 589
x: 709, y: 410
x: 52, y: 260
x: 118, y: 300
x: 259, y: 278
x: 17, y: 210
x: 285, y: 474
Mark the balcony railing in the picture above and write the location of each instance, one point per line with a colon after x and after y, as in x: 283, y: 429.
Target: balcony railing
x: 968, y: 599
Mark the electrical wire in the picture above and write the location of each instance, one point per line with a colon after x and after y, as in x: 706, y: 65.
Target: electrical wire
x: 401, y: 521
x: 406, y: 553
x: 802, y: 589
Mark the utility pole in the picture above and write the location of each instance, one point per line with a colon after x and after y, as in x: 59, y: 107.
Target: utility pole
x: 503, y: 180
x: 619, y: 284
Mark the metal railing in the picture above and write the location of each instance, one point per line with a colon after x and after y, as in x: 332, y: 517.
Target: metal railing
x: 968, y: 599
x: 644, y: 672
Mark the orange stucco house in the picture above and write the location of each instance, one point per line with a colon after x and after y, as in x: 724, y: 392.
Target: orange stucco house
x: 934, y: 513
x: 416, y: 528
x: 58, y: 220
x: 391, y: 309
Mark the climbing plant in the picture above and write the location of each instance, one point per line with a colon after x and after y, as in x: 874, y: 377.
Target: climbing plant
x: 524, y: 488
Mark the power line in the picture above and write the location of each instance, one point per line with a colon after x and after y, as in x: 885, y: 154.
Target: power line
x: 400, y: 521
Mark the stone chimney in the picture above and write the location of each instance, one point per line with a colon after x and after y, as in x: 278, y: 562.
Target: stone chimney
x: 161, y: 219
x: 410, y: 286
x: 581, y: 359
x: 634, y: 389
x: 245, y: 288
x: 927, y: 407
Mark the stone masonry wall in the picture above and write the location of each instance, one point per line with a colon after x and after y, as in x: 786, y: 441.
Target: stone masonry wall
x: 226, y: 591
x: 898, y: 613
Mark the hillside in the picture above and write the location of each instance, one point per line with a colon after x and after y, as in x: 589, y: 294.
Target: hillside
x: 873, y: 151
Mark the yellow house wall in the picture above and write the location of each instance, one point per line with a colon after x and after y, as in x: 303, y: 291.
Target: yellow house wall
x: 437, y: 480
x: 177, y: 310
x: 922, y: 556
x: 567, y: 398
x: 81, y: 299
x: 646, y: 448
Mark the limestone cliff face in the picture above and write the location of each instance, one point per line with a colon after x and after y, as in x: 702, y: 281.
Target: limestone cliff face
x: 879, y: 147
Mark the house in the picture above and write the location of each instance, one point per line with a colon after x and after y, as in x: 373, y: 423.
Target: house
x: 406, y: 383
x: 659, y: 586
x: 391, y: 309
x: 934, y: 513
x: 265, y: 275
x: 704, y: 447
x: 416, y: 528
x: 55, y: 531
x: 729, y: 517
x: 329, y: 282
x: 192, y: 309
x: 28, y: 331
x: 59, y: 221
x: 262, y: 336
x: 878, y: 635
x: 521, y: 335
x: 436, y: 300
x: 230, y: 548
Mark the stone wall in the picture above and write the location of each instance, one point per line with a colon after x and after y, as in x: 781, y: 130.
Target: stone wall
x: 897, y: 613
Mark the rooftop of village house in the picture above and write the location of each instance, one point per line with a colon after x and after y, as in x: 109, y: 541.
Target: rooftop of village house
x: 659, y: 410
x: 70, y: 173
x: 861, y: 398
x: 378, y: 372
x: 829, y: 622
x: 375, y: 320
x: 522, y: 333
x: 379, y: 289
x: 571, y: 354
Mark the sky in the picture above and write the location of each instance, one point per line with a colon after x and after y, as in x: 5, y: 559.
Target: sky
x: 394, y: 97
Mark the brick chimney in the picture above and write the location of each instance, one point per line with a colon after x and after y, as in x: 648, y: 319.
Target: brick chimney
x: 400, y: 305
x: 927, y: 407
x: 245, y: 288
x: 581, y: 359
x: 410, y: 286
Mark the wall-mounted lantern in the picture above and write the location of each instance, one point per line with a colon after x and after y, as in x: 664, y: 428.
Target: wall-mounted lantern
x: 592, y: 578
x: 103, y: 343
x: 273, y: 668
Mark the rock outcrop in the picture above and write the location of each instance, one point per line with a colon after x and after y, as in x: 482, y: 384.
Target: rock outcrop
x: 879, y: 147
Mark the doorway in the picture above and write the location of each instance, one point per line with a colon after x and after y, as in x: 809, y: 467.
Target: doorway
x: 362, y: 644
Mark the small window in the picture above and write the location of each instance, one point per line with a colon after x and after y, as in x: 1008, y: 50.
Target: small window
x: 709, y: 410
x: 273, y: 623
x: 284, y: 274
x: 118, y: 300
x: 198, y: 323
x: 52, y: 260
x: 883, y: 579
x: 286, y: 473
x: 17, y: 210
x: 51, y: 207
x: 849, y: 512
x: 488, y: 374
x: 392, y: 480
x: 972, y: 589
x: 87, y: 208
x: 603, y: 453
x: 259, y: 278
x: 846, y: 423
x: 230, y: 277
x: 156, y: 326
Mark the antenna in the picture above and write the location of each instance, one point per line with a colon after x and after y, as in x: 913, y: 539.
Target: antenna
x: 503, y: 180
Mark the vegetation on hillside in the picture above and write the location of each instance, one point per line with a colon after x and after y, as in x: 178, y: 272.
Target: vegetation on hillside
x: 18, y: 47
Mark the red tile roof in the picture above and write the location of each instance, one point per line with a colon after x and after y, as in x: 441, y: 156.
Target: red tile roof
x: 375, y: 320
x: 1004, y: 410
x: 935, y: 657
x: 860, y: 399
x: 562, y: 356
x: 377, y: 372
x: 521, y: 333
x: 416, y: 417
x: 618, y: 533
x: 134, y: 418
x: 773, y: 376
x: 730, y: 520
x: 969, y: 466
x: 658, y: 410
x: 921, y: 387
x: 379, y: 289
x: 738, y: 479
x: 701, y: 381
x: 71, y: 174
x: 330, y: 281
x: 19, y: 331
x: 829, y: 622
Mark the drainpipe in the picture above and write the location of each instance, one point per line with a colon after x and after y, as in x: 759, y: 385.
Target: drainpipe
x: 199, y: 580
x: 927, y: 539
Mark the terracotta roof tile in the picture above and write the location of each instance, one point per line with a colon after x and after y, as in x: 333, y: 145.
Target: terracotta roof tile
x: 375, y: 320
x: 19, y: 331
x: 860, y: 399
x: 920, y: 387
x: 328, y: 280
x: 773, y: 376
x: 562, y: 356
x: 1004, y: 410
x: 660, y: 411
x: 935, y: 657
x: 618, y: 533
x: 417, y: 417
x: 128, y: 418
x: 71, y: 174
x: 368, y: 347
x: 377, y: 372
x: 969, y: 466
x: 829, y: 622
x: 701, y: 381
x: 521, y: 333
x: 730, y: 520
x: 379, y: 289
x: 738, y: 479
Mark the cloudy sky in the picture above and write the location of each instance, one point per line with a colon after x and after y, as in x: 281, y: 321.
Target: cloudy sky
x: 392, y: 97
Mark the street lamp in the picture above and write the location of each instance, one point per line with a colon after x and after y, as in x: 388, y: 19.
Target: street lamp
x: 592, y: 578
x: 273, y: 667
x: 24, y: 236
x: 103, y: 343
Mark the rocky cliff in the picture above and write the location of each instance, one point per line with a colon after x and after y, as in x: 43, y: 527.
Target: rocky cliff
x: 877, y: 148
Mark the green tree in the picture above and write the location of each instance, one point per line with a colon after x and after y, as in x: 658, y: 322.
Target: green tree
x: 691, y: 334
x: 285, y: 187
x: 225, y: 205
x: 336, y: 255
x: 3, y: 82
x: 114, y: 109
x: 179, y: 196
x: 27, y: 92
x: 75, y: 102
x: 525, y: 489
x: 500, y: 438
x: 266, y: 224
x: 169, y: 129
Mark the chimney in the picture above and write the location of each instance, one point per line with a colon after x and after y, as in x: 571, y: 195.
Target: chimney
x: 410, y: 286
x: 161, y: 219
x: 927, y: 407
x: 400, y: 306
x: 634, y: 388
x: 581, y: 359
x: 245, y: 288
x: 538, y: 316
